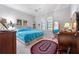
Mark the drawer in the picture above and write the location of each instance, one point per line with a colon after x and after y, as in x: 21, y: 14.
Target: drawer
x: 6, y: 45
x: 7, y: 42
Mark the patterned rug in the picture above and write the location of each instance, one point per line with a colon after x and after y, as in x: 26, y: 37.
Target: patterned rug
x: 23, y: 49
x: 45, y: 46
x: 48, y: 38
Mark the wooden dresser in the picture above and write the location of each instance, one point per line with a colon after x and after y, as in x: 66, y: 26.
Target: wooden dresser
x: 77, y: 43
x: 7, y: 42
x: 68, y: 40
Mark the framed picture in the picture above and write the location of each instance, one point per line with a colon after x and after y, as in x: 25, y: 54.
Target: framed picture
x: 24, y: 22
x: 19, y: 22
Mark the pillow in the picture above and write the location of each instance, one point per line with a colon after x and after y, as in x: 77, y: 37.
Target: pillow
x: 29, y: 28
x: 24, y: 29
x: 21, y: 29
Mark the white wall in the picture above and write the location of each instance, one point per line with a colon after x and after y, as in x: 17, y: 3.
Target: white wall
x: 62, y: 16
x: 12, y: 14
x: 74, y: 8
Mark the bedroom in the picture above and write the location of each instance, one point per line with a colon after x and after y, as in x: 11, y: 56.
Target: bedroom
x: 33, y: 23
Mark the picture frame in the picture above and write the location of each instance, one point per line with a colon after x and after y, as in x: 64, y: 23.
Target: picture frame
x: 19, y: 22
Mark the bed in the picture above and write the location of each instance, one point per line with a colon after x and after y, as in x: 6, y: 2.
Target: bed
x: 27, y: 35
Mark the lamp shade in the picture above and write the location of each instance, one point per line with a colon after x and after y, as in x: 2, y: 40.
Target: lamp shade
x: 74, y: 27
x: 67, y: 25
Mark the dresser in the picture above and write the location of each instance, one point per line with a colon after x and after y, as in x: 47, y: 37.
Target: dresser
x: 7, y: 42
x: 77, y: 43
x: 68, y: 40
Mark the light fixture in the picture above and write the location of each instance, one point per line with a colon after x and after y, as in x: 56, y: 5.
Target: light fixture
x: 36, y: 10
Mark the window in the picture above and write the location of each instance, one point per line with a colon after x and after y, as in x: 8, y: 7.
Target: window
x: 56, y: 27
x: 49, y: 23
x: 43, y: 25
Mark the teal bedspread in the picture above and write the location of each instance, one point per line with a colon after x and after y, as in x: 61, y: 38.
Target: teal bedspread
x: 27, y: 35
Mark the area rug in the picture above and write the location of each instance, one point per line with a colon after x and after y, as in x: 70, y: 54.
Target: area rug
x: 44, y: 47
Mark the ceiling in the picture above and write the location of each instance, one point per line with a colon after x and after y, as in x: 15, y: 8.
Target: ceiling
x: 37, y: 9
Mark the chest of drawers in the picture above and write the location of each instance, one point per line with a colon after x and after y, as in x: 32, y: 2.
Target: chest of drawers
x: 7, y: 42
